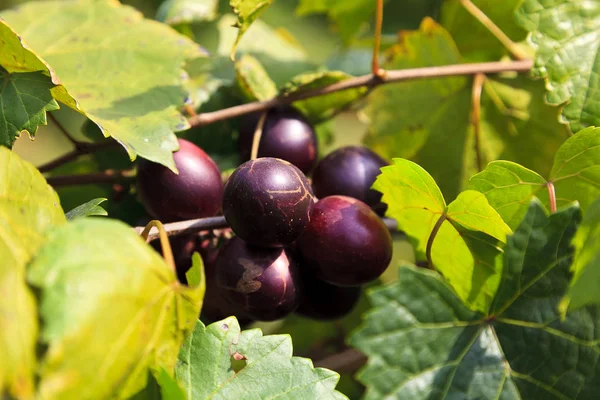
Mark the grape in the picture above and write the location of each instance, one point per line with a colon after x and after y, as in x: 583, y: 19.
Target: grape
x: 286, y: 135
x: 350, y: 171
x: 196, y: 192
x: 267, y: 202
x: 345, y: 242
x: 260, y: 282
x: 325, y: 302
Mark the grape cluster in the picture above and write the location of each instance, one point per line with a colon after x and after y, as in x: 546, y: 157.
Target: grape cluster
x: 290, y: 251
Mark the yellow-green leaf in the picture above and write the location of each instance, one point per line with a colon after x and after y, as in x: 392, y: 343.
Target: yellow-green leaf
x: 252, y: 79
x: 28, y: 208
x: 110, y: 309
x: 247, y: 12
x: 121, y: 71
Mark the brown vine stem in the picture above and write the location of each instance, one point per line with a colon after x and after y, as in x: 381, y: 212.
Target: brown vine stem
x: 258, y: 135
x: 164, y: 241
x: 205, y: 224
x: 552, y: 196
x: 60, y: 126
x: 82, y: 149
x: 375, y: 70
x: 368, y: 81
x: 108, y: 176
x: 494, y: 29
x: 475, y: 116
x: 434, y: 232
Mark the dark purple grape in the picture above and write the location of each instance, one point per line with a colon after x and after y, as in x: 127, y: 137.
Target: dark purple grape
x: 261, y: 282
x: 345, y: 242
x: 322, y: 301
x: 350, y: 171
x: 286, y: 134
x: 196, y: 192
x: 267, y: 202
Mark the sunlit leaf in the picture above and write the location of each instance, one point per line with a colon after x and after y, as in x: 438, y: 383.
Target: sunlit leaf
x: 464, y: 239
x: 247, y: 12
x: 566, y: 36
x: 221, y: 361
x: 131, y: 313
x: 137, y: 62
x: 253, y: 81
x: 175, y: 12
x: 28, y: 208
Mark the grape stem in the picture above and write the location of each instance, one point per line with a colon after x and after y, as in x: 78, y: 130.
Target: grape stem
x: 552, y: 197
x: 108, y: 176
x: 434, y: 232
x: 258, y: 135
x: 164, y: 241
x: 375, y: 70
x: 494, y: 29
x: 475, y: 116
x: 369, y: 81
x: 210, y: 223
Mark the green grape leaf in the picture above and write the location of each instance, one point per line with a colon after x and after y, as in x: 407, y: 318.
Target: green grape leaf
x: 576, y: 169
x: 575, y: 175
x: 131, y: 313
x: 586, y: 263
x: 464, y: 238
x: 163, y: 386
x: 247, y: 12
x: 28, y: 208
x: 509, y: 188
x: 221, y: 361
x: 422, y: 342
x: 475, y: 41
x: 24, y: 99
x: 90, y: 208
x: 253, y: 81
x: 415, y: 119
x: 322, y: 108
x: 138, y: 63
x: 175, y: 12
x: 565, y: 34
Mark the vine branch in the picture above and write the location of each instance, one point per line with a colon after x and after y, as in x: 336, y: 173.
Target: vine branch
x: 81, y: 149
x: 347, y: 361
x: 108, y: 176
x: 368, y: 81
x: 210, y: 223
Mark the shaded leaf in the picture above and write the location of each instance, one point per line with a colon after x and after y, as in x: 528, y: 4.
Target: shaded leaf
x: 24, y: 99
x: 575, y: 175
x: 90, y: 208
x: 175, y: 12
x: 28, y: 208
x: 318, y: 109
x: 139, y: 63
x: 474, y: 41
x: 253, y: 81
x: 206, y: 369
x: 131, y: 312
x: 422, y: 342
x: 247, y: 12
x: 566, y: 36
x: 586, y: 263
x: 465, y: 238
